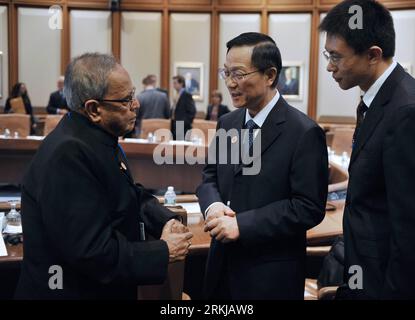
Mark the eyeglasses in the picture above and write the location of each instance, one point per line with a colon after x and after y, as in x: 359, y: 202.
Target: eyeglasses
x: 332, y: 58
x: 234, y: 75
x: 127, y: 102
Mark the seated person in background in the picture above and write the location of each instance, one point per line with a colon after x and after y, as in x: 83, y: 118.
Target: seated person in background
x: 20, y: 90
x: 216, y: 109
x: 57, y: 102
x: 154, y: 104
x: 92, y: 232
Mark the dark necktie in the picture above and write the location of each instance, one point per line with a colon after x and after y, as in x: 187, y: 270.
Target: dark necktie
x: 251, y: 126
x: 360, y: 116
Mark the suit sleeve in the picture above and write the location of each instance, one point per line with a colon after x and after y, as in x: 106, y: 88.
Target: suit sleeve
x: 305, y: 207
x: 51, y: 108
x: 167, y: 110
x: 190, y: 109
x: 153, y: 214
x: 208, y: 191
x: 399, y: 168
x: 207, y: 117
x: 77, y: 219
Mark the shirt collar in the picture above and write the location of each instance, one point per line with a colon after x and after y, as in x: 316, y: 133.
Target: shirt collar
x: 370, y: 94
x: 260, y: 117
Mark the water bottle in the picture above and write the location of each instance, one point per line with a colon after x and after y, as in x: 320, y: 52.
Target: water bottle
x: 6, y: 133
x: 170, y: 197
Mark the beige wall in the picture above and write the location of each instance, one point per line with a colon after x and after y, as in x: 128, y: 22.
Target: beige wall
x: 282, y: 27
x: 404, y: 21
x: 190, y: 43
x: 5, y: 57
x: 141, y: 45
x: 90, y: 31
x: 39, y: 54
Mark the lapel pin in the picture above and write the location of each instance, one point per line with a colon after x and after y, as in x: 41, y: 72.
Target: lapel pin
x: 123, y: 166
x: 234, y: 139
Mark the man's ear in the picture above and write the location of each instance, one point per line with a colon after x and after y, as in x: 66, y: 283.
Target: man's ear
x: 271, y: 73
x: 375, y: 54
x: 93, y: 111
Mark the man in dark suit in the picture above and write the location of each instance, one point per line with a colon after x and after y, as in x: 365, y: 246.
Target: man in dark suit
x: 379, y: 216
x: 258, y: 222
x: 184, y: 110
x: 154, y: 104
x: 81, y: 210
x: 216, y: 109
x: 57, y: 102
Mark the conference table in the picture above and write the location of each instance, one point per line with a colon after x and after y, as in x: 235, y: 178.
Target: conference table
x: 323, y: 233
x: 15, y: 155
x: 172, y: 169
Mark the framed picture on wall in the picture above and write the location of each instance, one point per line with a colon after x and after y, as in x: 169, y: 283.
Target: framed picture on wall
x: 193, y: 76
x: 290, y: 82
x: 408, y: 68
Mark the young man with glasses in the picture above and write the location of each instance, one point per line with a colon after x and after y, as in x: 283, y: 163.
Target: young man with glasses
x: 81, y: 209
x: 379, y: 216
x: 258, y: 223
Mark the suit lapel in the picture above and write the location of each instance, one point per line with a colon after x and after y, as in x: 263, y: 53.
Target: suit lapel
x: 375, y: 113
x: 271, y: 128
x: 237, y: 124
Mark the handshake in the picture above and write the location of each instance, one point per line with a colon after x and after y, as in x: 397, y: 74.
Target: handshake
x: 177, y: 237
x: 221, y: 223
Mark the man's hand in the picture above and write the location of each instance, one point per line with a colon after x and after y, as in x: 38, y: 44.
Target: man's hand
x: 218, y: 210
x: 178, y: 227
x: 177, y: 242
x: 224, y: 229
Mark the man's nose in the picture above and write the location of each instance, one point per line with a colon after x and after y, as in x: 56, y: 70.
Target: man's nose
x: 230, y: 83
x: 136, y: 104
x: 330, y: 67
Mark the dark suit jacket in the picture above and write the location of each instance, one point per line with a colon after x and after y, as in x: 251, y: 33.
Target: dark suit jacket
x: 185, y: 110
x: 221, y: 111
x: 56, y: 101
x: 379, y: 216
x: 80, y: 211
x: 274, y: 208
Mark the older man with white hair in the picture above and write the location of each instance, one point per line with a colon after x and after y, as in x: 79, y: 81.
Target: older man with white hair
x: 57, y: 101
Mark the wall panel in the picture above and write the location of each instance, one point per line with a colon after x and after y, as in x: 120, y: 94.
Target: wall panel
x: 39, y: 54
x: 4, y: 58
x: 141, y: 45
x: 404, y: 21
x: 190, y: 43
x: 281, y: 29
x: 90, y: 31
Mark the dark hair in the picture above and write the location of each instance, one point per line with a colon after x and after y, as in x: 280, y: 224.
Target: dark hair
x: 180, y: 79
x: 16, y: 90
x: 377, y: 28
x: 217, y: 93
x: 149, y: 80
x: 265, y: 54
